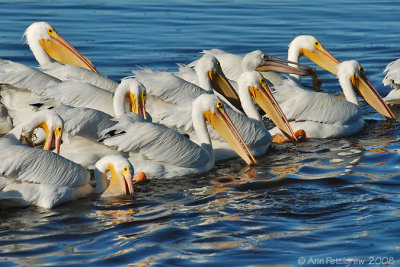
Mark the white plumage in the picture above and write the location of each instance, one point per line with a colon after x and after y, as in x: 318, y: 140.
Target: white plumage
x: 68, y: 72
x: 322, y: 115
x: 83, y: 126
x: 392, y: 79
x: 32, y: 176
x: 43, y: 178
x: 89, y: 107
x: 233, y: 65
x: 163, y: 152
x: 39, y: 177
x: 170, y: 103
x: 28, y: 84
x: 46, y: 43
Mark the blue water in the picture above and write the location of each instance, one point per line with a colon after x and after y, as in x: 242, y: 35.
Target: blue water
x: 322, y: 202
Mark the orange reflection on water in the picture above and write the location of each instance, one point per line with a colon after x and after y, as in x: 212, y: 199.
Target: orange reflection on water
x: 115, y: 217
x: 379, y: 146
x: 285, y: 170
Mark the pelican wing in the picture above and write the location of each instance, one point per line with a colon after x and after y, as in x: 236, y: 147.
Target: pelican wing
x: 177, y: 117
x: 302, y: 105
x: 26, y: 164
x: 213, y: 52
x: 253, y: 132
x: 66, y: 72
x: 168, y: 87
x: 187, y: 73
x: 392, y: 77
x: 85, y: 122
x: 156, y: 142
x: 180, y: 119
x: 24, y: 77
x: 80, y: 94
x: 231, y: 64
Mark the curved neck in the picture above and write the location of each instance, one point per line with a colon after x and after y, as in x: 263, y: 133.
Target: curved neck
x: 200, y: 128
x: 41, y: 56
x: 349, y: 91
x: 100, y: 178
x: 247, y: 103
x: 119, y: 100
x: 204, y: 81
x: 294, y: 56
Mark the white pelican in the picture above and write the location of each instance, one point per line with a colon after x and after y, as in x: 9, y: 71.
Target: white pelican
x: 310, y: 47
x: 46, y: 43
x: 392, y: 79
x: 31, y: 83
x: 170, y: 97
x: 16, y: 97
x: 252, y: 87
x: 307, y: 45
x: 32, y: 176
x: 322, y: 115
x: 43, y: 178
x: 94, y: 107
x: 162, y: 152
x: 83, y: 125
x: 47, y: 120
x: 234, y: 65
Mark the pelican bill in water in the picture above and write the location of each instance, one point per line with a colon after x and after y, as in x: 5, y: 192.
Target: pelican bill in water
x: 170, y: 100
x: 83, y: 126
x: 322, y: 115
x: 32, y: 176
x: 162, y: 152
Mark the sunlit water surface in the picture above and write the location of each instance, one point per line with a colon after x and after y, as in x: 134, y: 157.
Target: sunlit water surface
x: 320, y: 200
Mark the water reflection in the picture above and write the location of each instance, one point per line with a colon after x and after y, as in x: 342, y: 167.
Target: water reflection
x: 336, y: 197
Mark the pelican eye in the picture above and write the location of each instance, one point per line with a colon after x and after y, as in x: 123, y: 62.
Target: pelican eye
x: 50, y: 31
x: 219, y: 104
x: 265, y: 56
x: 361, y: 70
x: 125, y: 170
x: 316, y: 43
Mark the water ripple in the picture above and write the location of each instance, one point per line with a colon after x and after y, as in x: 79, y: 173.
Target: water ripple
x: 321, y: 198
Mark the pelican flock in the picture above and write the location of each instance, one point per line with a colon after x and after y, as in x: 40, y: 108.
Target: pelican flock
x: 68, y: 132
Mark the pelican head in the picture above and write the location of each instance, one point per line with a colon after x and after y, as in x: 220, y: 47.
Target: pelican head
x: 310, y: 47
x: 210, y: 75
x: 354, y: 82
x: 209, y: 107
x: 252, y: 83
x: 121, y: 173
x: 133, y: 91
x: 51, y: 123
x: 45, y: 43
x: 257, y: 60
